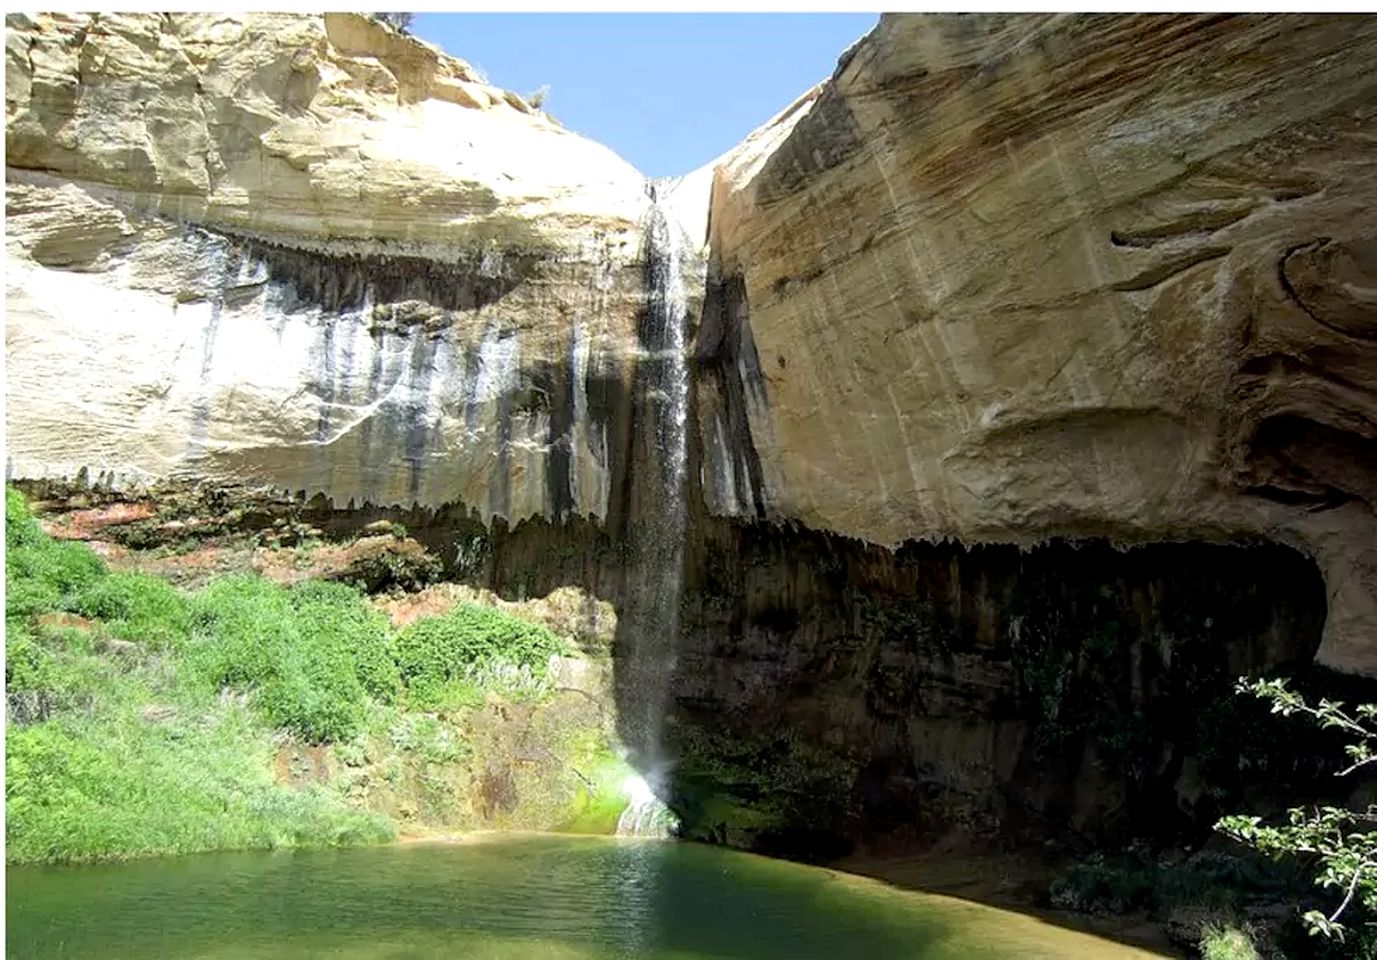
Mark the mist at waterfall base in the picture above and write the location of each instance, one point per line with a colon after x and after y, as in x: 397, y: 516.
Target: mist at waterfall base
x: 646, y: 664
x: 528, y: 897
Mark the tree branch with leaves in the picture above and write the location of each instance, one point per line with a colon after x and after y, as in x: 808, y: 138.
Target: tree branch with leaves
x: 1343, y: 842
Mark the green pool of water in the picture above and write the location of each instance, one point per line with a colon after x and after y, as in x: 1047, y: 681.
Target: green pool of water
x: 513, y: 897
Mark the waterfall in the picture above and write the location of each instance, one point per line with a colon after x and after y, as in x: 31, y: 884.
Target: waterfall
x: 668, y: 307
x: 646, y: 814
x: 659, y: 523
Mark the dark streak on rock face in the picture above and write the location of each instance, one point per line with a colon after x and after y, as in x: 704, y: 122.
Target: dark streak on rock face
x: 556, y: 381
x: 611, y: 409
x: 728, y: 368
x: 338, y: 283
x: 827, y: 137
x: 500, y: 494
x: 417, y: 426
x: 327, y: 380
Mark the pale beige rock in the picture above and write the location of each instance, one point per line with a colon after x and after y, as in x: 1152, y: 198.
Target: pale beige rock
x: 150, y: 335
x: 999, y: 279
x: 1009, y: 278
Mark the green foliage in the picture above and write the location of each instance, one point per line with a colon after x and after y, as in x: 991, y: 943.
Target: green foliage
x: 338, y: 615
x: 1226, y: 942
x: 21, y: 529
x: 38, y: 680
x: 241, y: 626
x: 470, y: 554
x: 43, y: 575
x: 87, y: 789
x: 1102, y: 886
x: 472, y: 642
x: 1133, y: 880
x: 311, y: 655
x: 136, y: 607
x: 405, y: 569
x: 1342, y: 842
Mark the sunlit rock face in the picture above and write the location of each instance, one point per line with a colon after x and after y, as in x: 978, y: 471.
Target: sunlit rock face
x: 312, y: 253
x: 1004, y: 278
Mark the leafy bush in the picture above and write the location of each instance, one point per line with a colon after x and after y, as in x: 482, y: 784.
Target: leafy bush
x: 316, y: 695
x: 37, y: 683
x: 1226, y: 942
x: 435, y: 651
x: 336, y: 613
x: 311, y: 654
x: 1104, y: 886
x: 137, y: 607
x: 1134, y: 880
x: 1335, y: 836
x: 111, y: 788
x: 403, y: 565
x: 240, y: 627
x: 43, y: 575
x: 21, y: 529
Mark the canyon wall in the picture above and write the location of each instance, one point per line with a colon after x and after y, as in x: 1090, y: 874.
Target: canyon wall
x: 1003, y: 278
x: 315, y: 254
x: 1032, y: 370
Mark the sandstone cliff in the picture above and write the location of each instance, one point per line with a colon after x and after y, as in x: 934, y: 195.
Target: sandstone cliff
x: 314, y: 253
x: 998, y: 281
x: 1002, y: 278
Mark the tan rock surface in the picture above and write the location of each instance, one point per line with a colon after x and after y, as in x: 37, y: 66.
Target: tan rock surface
x: 1004, y: 278
x: 312, y: 252
x: 999, y: 279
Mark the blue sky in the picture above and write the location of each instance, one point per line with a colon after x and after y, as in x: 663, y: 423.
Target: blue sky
x: 668, y: 92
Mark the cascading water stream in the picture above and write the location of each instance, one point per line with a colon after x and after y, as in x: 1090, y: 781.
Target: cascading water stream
x: 660, y: 528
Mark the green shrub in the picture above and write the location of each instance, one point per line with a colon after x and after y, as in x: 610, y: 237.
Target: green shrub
x: 137, y: 607
x: 241, y: 626
x: 400, y: 567
x: 1134, y: 880
x: 316, y: 695
x: 311, y: 655
x: 40, y: 572
x: 43, y: 575
x: 1226, y: 942
x: 21, y: 529
x: 1099, y: 885
x: 339, y: 613
x: 433, y: 652
x: 37, y: 683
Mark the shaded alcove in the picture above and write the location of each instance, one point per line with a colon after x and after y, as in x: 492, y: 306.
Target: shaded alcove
x: 828, y: 696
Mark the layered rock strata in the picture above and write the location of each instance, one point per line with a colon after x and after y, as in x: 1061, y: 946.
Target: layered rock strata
x: 1001, y: 278
x: 311, y: 253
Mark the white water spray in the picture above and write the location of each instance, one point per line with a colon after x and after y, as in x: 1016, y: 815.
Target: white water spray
x: 645, y: 814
